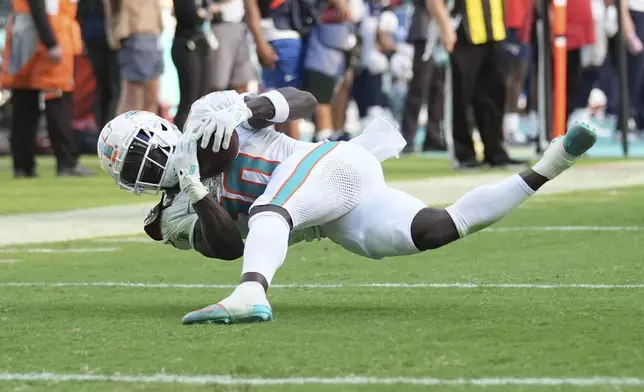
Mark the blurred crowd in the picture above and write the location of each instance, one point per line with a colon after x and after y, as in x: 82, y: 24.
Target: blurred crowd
x: 367, y: 57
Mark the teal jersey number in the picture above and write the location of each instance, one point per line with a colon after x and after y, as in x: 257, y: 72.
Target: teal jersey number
x: 235, y: 184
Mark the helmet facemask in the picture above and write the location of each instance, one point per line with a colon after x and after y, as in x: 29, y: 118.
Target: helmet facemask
x: 145, y: 166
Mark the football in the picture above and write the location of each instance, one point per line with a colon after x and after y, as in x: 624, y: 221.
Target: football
x: 213, y: 163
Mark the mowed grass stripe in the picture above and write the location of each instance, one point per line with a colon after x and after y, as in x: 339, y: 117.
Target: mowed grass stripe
x: 331, y: 286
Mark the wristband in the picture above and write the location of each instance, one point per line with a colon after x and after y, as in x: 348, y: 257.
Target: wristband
x: 280, y: 103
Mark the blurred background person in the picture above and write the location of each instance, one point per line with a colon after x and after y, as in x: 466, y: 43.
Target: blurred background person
x: 425, y: 87
x: 579, y: 34
x: 280, y: 29
x: 230, y: 66
x: 519, y: 18
x: 192, y: 53
x: 474, y: 41
x: 633, y: 30
x: 401, y: 68
x: 377, y: 44
x: 325, y: 60
x: 40, y: 49
x: 347, y: 88
x: 135, y: 28
x: 593, y: 57
x: 634, y: 33
x: 104, y: 61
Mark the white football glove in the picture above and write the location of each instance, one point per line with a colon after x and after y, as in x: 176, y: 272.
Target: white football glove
x: 186, y: 165
x: 221, y: 125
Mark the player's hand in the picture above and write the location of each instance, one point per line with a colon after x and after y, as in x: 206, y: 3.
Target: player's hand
x: 220, y: 125
x: 186, y: 165
x: 448, y: 37
x: 634, y: 44
x: 266, y: 55
x: 55, y: 54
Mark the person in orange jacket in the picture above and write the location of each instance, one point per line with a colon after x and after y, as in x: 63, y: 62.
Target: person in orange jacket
x: 42, y: 41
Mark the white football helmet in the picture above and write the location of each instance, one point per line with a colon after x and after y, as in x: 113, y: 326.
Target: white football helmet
x: 136, y: 149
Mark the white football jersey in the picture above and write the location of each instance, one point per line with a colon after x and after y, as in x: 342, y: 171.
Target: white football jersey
x: 261, y: 151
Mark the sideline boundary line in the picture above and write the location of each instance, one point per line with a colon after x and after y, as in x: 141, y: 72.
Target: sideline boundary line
x: 162, y: 378
x: 57, y: 250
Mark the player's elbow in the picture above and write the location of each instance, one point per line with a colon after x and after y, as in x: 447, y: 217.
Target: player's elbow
x: 230, y: 256
x: 302, y: 100
x: 309, y: 100
x: 223, y: 249
x: 232, y: 250
x: 223, y: 245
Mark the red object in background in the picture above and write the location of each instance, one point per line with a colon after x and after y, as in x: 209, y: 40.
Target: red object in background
x: 333, y: 15
x: 84, y: 89
x: 560, y: 57
x: 519, y: 14
x: 580, y: 29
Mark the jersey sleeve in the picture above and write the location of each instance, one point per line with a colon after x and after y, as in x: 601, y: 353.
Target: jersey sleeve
x: 178, y: 223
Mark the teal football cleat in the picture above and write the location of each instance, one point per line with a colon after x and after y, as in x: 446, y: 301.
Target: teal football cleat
x: 565, y: 150
x: 218, y: 314
x: 579, y: 138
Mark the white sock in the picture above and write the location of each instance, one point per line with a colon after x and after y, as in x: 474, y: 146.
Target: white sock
x: 486, y: 204
x: 266, y: 244
x: 246, y: 294
x: 555, y: 160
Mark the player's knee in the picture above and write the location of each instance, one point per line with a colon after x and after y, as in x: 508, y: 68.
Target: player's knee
x: 273, y: 209
x: 433, y: 228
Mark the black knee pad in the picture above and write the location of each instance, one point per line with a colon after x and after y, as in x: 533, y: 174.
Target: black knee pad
x: 272, y: 208
x: 432, y: 228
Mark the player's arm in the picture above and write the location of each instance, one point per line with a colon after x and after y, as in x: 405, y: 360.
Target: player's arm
x: 41, y: 20
x: 253, y: 21
x: 218, y: 114
x: 215, y: 234
x: 206, y: 227
x: 278, y: 106
x: 438, y: 9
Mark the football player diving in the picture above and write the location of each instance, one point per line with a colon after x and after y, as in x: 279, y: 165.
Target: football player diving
x: 262, y: 186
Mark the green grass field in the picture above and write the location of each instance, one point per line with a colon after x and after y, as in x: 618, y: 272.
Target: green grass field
x: 64, y: 312
x: 49, y: 193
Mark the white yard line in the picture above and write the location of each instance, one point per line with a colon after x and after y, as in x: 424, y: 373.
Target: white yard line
x: 164, y: 378
x: 128, y: 219
x: 331, y: 285
x: 9, y: 261
x: 60, y: 250
x: 120, y: 240
x: 564, y: 228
